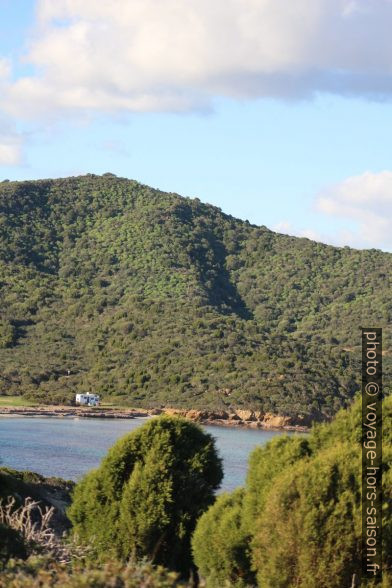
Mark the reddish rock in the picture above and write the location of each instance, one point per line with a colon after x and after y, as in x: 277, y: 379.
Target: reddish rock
x: 246, y: 415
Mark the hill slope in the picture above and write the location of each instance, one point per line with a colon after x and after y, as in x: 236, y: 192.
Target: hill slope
x: 110, y: 286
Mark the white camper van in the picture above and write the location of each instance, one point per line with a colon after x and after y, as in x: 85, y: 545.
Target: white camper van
x: 87, y: 399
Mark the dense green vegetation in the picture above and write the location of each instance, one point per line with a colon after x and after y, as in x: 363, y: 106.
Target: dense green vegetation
x: 147, y: 494
x: 221, y: 543
x: 153, y: 299
x: 298, y: 520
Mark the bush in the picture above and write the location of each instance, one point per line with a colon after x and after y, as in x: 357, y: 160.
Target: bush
x: 309, y: 533
x: 7, y: 334
x: 149, y: 491
x: 221, y: 546
x: 298, y: 519
x: 221, y: 542
x: 265, y: 463
x: 45, y: 573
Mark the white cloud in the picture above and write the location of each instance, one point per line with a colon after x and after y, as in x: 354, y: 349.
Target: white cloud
x: 5, y: 69
x: 177, y: 55
x: 287, y: 228
x: 10, y: 152
x: 367, y: 200
x: 363, y: 202
x: 10, y: 145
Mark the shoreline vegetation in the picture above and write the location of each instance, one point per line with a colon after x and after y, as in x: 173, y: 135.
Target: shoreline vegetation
x: 234, y: 418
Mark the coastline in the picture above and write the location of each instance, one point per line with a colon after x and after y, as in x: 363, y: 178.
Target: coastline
x: 235, y: 418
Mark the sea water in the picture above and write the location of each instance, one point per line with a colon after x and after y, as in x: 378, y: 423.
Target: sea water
x: 69, y: 447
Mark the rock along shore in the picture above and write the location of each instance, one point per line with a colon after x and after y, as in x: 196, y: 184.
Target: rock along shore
x: 232, y: 418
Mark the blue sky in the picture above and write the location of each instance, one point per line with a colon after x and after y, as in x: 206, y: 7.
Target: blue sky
x: 304, y: 154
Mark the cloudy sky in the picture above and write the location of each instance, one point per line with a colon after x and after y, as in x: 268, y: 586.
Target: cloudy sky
x: 279, y: 112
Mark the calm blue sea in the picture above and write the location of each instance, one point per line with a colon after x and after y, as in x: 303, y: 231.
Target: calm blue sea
x: 69, y: 447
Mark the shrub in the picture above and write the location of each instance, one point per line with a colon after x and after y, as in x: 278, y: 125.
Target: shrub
x: 7, y: 334
x: 46, y: 573
x: 220, y: 544
x: 149, y: 491
x: 309, y: 533
x: 265, y: 463
x: 299, y: 515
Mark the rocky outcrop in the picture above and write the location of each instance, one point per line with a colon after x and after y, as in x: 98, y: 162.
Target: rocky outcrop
x: 244, y: 418
x: 231, y: 418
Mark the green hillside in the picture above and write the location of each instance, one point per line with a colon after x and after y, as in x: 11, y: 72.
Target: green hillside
x: 111, y: 286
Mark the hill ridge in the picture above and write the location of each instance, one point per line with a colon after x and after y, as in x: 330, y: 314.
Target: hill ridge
x: 157, y: 299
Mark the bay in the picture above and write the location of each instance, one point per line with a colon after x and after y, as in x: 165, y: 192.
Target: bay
x: 69, y: 447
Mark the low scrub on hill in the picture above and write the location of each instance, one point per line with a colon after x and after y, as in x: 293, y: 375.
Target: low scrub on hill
x: 110, y: 286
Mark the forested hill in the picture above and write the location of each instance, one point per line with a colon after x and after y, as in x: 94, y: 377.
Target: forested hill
x: 111, y: 286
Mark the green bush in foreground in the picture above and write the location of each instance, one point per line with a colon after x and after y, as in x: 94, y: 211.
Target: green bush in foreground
x: 299, y: 516
x: 265, y: 463
x: 220, y: 544
x: 147, y: 494
x: 222, y: 540
x: 309, y: 533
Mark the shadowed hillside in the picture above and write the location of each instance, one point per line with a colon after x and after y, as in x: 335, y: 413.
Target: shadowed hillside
x: 110, y: 286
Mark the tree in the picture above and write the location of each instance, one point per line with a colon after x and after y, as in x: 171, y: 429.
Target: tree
x: 7, y: 334
x: 148, y: 492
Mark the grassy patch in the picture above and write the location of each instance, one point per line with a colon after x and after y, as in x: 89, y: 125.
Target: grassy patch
x: 12, y: 401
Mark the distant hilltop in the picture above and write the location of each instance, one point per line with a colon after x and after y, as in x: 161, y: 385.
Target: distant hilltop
x: 152, y: 300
